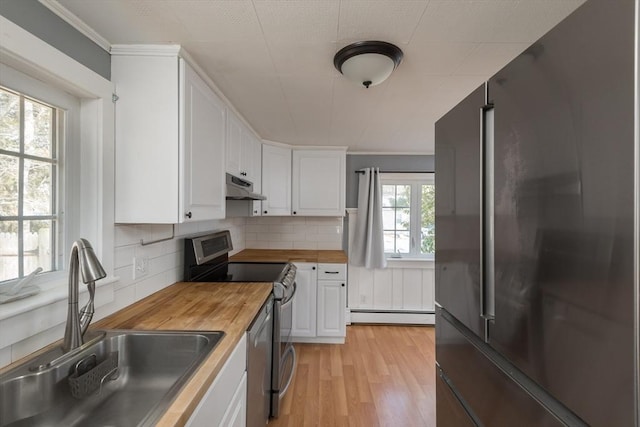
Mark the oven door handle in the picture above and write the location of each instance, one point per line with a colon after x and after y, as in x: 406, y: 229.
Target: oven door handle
x: 291, y: 349
x: 290, y: 299
x: 267, y: 321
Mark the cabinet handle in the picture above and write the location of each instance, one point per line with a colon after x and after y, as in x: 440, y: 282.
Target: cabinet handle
x: 243, y: 173
x: 188, y: 214
x: 313, y: 268
x: 331, y: 272
x: 294, y: 212
x: 265, y: 211
x: 343, y: 285
x: 255, y: 212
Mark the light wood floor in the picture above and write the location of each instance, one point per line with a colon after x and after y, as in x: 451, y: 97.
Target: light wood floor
x: 382, y: 376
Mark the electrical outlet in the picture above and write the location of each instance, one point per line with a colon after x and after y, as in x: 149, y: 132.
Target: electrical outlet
x: 140, y: 267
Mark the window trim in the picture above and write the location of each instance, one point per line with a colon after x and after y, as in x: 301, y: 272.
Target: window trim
x: 66, y: 199
x: 413, y: 179
x: 30, y: 55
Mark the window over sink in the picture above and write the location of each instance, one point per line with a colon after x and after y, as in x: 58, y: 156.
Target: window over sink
x: 31, y: 141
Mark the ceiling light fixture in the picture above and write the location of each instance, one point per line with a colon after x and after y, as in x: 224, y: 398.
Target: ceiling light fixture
x: 368, y: 63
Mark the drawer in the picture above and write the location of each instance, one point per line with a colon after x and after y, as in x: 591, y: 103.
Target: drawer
x: 332, y: 271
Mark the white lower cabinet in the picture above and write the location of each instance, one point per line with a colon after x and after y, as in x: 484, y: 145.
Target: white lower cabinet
x: 225, y: 403
x: 332, y: 298
x: 236, y: 415
x: 320, y: 303
x: 304, y: 303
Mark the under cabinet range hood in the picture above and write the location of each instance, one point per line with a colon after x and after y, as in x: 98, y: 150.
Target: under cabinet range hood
x: 241, y: 189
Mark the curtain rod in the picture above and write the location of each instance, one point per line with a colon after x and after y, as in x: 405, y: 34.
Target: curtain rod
x: 362, y: 171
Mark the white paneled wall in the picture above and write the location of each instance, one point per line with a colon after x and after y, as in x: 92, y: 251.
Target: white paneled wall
x: 36, y: 327
x: 272, y: 232
x: 404, y: 292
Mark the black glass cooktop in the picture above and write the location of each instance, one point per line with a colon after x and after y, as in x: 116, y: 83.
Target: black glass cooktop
x: 254, y: 272
x: 243, y: 272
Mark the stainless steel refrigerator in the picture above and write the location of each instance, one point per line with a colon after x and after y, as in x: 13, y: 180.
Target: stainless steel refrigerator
x: 537, y: 217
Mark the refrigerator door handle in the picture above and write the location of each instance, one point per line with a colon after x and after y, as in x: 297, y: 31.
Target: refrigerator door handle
x: 487, y: 215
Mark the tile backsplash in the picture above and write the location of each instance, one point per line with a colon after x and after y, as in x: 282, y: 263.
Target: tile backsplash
x: 294, y: 232
x: 35, y: 328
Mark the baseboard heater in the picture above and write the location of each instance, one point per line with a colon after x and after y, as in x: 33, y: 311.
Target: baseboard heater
x: 400, y: 317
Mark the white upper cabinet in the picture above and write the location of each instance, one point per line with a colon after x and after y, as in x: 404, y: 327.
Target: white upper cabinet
x: 244, y: 151
x: 251, y: 159
x: 234, y: 145
x: 204, y: 185
x: 276, y: 180
x: 170, y: 139
x: 319, y: 182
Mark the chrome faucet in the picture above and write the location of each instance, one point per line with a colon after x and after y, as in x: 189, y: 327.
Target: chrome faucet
x: 82, y: 258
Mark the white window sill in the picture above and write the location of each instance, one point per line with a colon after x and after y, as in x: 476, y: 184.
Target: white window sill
x: 410, y: 262
x: 49, y: 294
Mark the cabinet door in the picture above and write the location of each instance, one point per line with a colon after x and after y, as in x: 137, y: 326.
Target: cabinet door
x: 233, y: 145
x: 248, y: 158
x: 276, y: 180
x: 146, y: 138
x: 319, y: 182
x: 236, y: 415
x: 203, y: 127
x: 213, y: 408
x: 304, y: 303
x: 256, y: 151
x: 331, y: 308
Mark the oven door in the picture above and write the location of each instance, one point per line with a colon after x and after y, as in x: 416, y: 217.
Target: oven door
x: 286, y: 315
x: 284, y: 354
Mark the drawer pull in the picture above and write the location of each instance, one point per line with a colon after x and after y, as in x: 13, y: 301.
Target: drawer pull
x: 331, y: 272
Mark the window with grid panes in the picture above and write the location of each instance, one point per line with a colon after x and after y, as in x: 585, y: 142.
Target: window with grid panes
x: 408, y: 212
x: 29, y: 167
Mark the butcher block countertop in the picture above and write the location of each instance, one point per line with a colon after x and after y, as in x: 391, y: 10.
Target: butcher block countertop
x: 228, y: 307
x: 290, y: 255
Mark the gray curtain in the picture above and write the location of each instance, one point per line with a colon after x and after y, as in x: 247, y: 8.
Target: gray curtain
x: 368, y: 238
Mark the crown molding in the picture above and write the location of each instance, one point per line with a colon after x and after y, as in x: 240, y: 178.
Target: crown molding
x: 76, y: 23
x: 147, y: 50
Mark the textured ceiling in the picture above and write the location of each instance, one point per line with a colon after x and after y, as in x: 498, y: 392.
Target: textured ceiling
x: 273, y: 59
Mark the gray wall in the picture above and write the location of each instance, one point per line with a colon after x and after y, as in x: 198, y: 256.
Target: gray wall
x: 386, y: 163
x: 46, y: 25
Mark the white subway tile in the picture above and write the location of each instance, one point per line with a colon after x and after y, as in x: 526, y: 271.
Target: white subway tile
x: 329, y: 245
x: 328, y: 238
x: 126, y: 235
x: 122, y: 298
x: 5, y: 355
x: 298, y: 244
x: 296, y: 220
x: 281, y: 245
x: 123, y: 256
x: 125, y: 274
x: 329, y: 229
x: 280, y: 229
x: 259, y: 245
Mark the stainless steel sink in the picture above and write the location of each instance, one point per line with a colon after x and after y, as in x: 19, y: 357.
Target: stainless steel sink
x: 152, y: 366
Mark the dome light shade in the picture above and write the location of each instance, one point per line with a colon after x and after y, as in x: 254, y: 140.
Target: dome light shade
x: 368, y: 63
